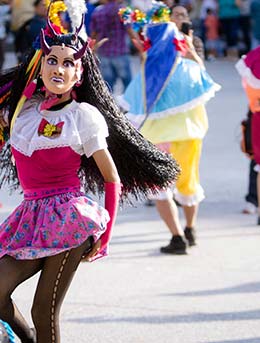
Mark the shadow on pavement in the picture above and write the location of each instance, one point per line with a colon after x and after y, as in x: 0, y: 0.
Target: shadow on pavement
x: 167, y: 319
x: 246, y: 340
x: 253, y: 287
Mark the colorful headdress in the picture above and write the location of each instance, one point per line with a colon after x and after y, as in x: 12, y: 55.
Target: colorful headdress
x: 75, y: 12
x: 158, y: 13
x: 76, y: 42
x: 55, y: 8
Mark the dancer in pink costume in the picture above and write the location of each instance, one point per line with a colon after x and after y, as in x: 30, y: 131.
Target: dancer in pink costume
x: 249, y: 69
x: 67, y: 136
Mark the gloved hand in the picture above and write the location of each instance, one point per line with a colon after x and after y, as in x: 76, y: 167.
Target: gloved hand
x: 112, y: 195
x: 99, y: 249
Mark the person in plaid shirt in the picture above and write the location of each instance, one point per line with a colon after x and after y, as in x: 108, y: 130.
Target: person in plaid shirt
x: 114, y: 53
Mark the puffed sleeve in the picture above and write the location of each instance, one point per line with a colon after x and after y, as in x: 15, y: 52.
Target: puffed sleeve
x: 92, y: 129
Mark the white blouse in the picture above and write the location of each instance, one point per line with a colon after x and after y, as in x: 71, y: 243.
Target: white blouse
x: 84, y: 129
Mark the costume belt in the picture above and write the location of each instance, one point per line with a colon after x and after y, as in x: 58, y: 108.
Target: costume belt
x: 38, y: 193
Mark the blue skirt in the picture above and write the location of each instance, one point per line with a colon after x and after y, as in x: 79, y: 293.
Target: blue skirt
x: 188, y: 87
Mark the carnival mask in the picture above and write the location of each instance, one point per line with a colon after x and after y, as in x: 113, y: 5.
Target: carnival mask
x: 59, y: 70
x: 61, y: 66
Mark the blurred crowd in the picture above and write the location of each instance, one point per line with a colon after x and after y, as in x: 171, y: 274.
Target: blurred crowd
x: 228, y: 28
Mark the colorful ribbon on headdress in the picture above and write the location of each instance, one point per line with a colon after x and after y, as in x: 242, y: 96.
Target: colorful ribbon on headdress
x: 34, y: 67
x: 33, y: 70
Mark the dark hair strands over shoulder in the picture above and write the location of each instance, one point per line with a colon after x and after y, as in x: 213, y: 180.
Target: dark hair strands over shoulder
x: 17, y: 74
x: 140, y: 164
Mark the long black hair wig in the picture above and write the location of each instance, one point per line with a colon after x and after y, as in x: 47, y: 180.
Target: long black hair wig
x: 141, y: 166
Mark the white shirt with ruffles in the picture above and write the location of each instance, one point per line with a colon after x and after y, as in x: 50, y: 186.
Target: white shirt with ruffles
x: 84, y: 130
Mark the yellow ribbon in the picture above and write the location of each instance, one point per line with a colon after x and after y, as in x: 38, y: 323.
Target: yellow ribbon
x: 33, y: 66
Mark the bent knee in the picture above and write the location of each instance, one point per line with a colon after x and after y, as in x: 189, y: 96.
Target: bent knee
x: 5, y: 295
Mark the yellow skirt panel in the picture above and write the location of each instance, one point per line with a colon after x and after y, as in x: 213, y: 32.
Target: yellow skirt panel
x: 187, y: 154
x: 184, y: 126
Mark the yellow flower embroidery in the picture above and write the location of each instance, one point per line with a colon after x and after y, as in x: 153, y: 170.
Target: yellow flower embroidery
x: 49, y: 130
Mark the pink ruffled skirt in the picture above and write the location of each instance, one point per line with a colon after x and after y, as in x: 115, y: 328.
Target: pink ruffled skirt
x: 49, y: 222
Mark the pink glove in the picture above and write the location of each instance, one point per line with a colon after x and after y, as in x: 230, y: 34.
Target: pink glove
x: 112, y: 194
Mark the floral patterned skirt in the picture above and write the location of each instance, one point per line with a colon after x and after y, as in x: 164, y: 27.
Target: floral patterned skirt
x: 44, y: 225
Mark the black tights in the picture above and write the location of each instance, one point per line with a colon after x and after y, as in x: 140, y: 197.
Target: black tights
x: 56, y: 274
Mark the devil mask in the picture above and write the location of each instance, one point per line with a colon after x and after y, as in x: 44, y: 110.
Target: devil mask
x: 61, y: 66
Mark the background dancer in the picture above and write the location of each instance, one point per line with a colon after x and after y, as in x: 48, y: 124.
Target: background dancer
x: 249, y: 69
x: 171, y: 114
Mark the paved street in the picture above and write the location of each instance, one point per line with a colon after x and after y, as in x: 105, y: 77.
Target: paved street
x: 211, y: 295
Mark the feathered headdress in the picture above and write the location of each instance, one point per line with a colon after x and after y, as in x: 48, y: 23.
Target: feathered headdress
x: 75, y: 12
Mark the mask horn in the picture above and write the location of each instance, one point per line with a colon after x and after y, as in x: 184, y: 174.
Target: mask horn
x: 81, y: 52
x: 53, y: 33
x: 44, y: 45
x: 80, y: 26
x: 49, y: 24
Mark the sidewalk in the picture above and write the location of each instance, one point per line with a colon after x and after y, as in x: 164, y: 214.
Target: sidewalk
x: 211, y: 295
